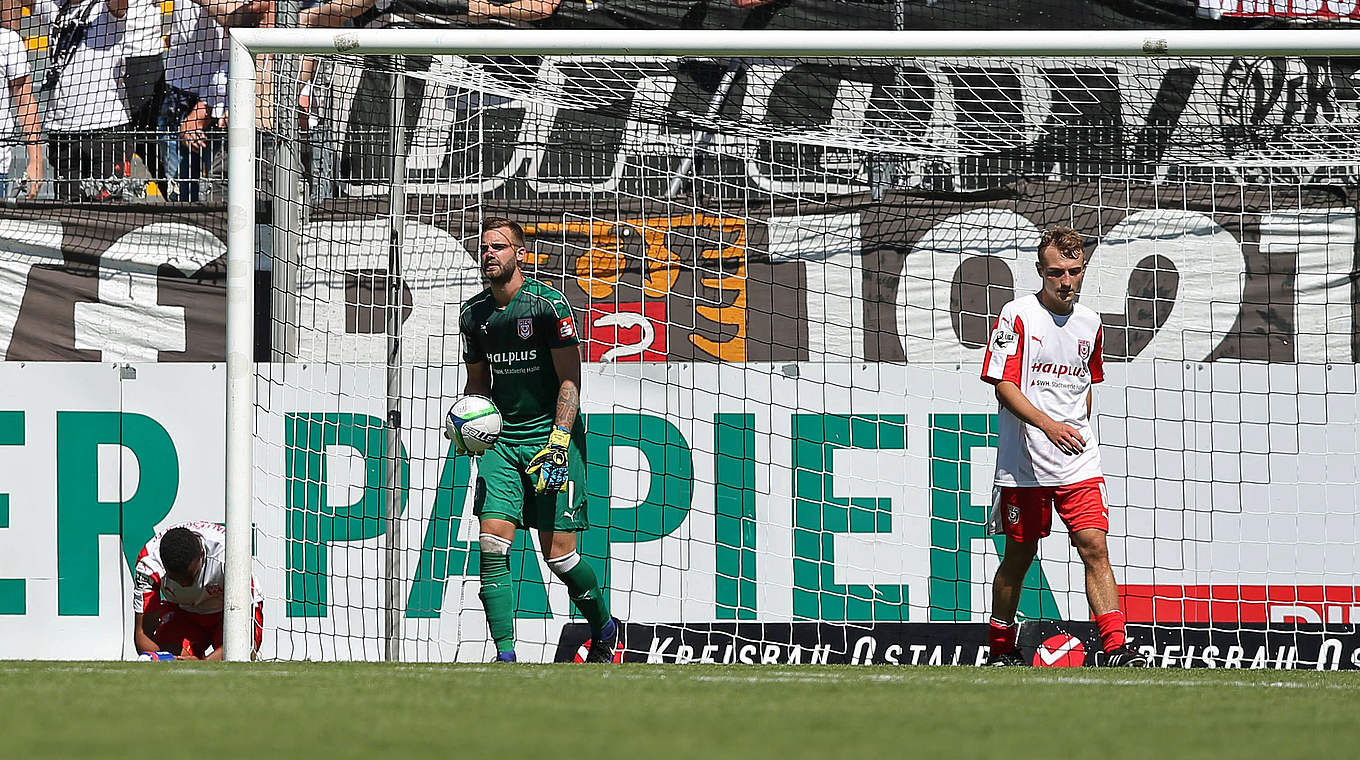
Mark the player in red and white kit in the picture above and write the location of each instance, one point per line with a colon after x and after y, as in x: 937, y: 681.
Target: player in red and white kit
x: 1042, y: 358
x: 177, y: 593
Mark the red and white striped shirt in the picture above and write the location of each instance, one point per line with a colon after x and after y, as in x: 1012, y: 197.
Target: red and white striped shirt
x: 1053, y: 359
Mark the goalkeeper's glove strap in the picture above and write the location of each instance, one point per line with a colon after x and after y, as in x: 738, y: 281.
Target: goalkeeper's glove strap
x: 559, y: 436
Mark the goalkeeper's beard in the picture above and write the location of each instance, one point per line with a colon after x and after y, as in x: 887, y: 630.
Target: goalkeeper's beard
x: 506, y: 274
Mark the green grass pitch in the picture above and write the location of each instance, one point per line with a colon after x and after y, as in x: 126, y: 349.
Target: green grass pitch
x: 620, y: 712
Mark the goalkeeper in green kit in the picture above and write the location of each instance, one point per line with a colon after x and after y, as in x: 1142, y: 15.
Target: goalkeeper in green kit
x: 521, y: 350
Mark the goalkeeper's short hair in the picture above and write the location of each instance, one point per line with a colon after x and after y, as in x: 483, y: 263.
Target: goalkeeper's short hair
x: 515, y: 231
x: 179, y: 548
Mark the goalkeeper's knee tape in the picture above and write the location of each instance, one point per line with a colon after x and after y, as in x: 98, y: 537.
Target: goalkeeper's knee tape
x: 563, y: 564
x: 577, y: 575
x: 583, y: 588
x: 493, y: 544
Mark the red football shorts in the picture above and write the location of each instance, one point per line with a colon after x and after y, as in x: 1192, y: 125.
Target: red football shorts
x: 1025, y: 515
x: 178, y: 628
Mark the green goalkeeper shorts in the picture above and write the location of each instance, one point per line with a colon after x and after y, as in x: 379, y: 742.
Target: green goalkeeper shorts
x: 505, y: 492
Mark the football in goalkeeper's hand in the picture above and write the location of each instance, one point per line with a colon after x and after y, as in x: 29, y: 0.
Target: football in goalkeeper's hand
x: 473, y: 424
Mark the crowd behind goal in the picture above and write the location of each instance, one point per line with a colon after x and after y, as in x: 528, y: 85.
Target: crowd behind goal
x: 125, y: 100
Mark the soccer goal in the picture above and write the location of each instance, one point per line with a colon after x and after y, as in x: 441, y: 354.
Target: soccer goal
x: 785, y: 252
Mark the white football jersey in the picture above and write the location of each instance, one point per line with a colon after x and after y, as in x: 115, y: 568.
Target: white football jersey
x: 1053, y: 359
x: 204, y: 596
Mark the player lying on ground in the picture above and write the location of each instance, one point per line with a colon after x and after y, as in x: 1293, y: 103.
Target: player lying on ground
x: 177, y: 593
x: 521, y: 349
x: 1042, y: 358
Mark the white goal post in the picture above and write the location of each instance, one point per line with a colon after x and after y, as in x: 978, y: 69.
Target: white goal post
x: 248, y: 45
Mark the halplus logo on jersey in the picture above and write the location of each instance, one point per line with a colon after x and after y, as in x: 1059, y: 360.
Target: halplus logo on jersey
x: 1050, y: 368
x: 526, y: 328
x: 1084, y: 349
x: 565, y: 327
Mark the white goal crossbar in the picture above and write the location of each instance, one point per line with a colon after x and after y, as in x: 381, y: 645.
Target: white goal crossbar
x: 247, y: 44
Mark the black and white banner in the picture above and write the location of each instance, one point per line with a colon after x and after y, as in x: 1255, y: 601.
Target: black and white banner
x: 542, y: 127
x: 1179, y: 271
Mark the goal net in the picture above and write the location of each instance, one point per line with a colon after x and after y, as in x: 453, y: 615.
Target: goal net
x: 784, y: 272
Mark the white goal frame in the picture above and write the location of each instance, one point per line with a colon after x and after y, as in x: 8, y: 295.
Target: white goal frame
x: 247, y: 44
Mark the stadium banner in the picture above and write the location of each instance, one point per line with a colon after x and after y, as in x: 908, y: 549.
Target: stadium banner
x: 91, y: 284
x: 1260, y: 119
x: 1043, y: 644
x: 1179, y: 270
x: 816, y: 14
x: 776, y: 502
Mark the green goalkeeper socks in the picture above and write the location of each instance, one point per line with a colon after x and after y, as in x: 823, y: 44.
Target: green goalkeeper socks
x: 498, y: 599
x: 583, y: 588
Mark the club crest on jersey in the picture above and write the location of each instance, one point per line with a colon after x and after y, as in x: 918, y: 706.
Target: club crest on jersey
x: 1084, y: 349
x: 525, y: 328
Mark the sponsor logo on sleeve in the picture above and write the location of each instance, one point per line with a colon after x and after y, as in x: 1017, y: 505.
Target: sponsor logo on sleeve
x: 566, y: 328
x: 1003, y: 341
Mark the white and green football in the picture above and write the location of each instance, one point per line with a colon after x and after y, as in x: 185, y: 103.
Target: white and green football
x: 473, y: 422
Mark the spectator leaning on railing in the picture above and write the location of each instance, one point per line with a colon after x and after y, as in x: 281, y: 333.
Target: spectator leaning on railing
x: 87, y: 113
x: 144, y: 80
x: 195, y: 105
x: 16, y: 100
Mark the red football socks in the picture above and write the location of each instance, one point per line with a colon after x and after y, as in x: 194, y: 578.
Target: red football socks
x: 1001, y: 636
x: 1111, y: 625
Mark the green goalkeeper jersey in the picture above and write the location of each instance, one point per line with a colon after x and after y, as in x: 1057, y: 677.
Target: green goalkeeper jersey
x: 517, y: 342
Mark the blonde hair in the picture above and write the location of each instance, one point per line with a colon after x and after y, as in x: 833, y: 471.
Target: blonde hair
x: 1065, y: 239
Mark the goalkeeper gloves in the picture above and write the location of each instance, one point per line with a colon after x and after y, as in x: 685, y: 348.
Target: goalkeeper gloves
x: 550, y: 464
